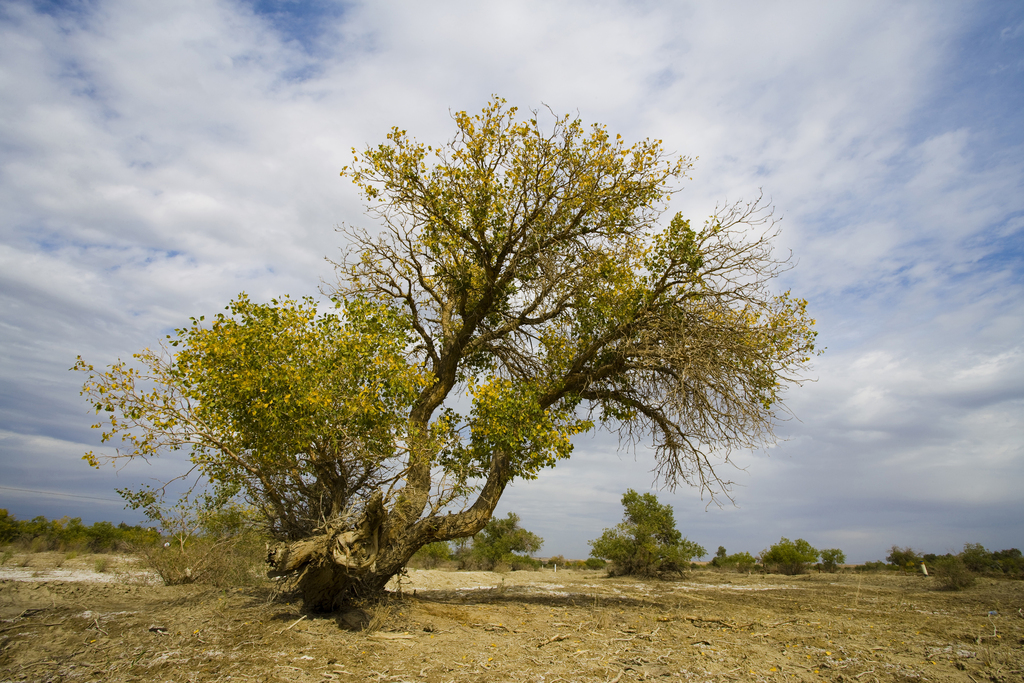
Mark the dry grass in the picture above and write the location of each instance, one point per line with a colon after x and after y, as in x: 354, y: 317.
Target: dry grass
x: 380, y: 613
x: 574, y: 626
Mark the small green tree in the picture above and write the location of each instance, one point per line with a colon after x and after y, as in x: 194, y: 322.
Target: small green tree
x: 904, y: 558
x: 10, y: 528
x: 977, y: 559
x: 431, y: 555
x: 1010, y: 561
x: 789, y: 557
x: 831, y: 558
x: 720, y: 557
x: 646, y: 542
x: 503, y: 541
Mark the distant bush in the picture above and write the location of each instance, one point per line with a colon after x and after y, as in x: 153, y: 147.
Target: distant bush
x: 952, y: 573
x: 1002, y: 563
x: 789, y: 557
x: 876, y: 566
x: 556, y: 560
x: 1010, y: 562
x: 68, y: 533
x: 595, y: 563
x: 904, y: 558
x: 831, y: 558
x: 646, y: 542
x: 741, y: 562
x: 431, y: 555
x: 521, y: 563
x: 500, y: 544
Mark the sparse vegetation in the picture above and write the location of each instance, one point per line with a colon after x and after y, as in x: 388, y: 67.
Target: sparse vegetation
x: 235, y: 560
x: 432, y: 555
x: 875, y: 566
x: 953, y: 574
x: 69, y: 534
x: 214, y: 543
x: 741, y: 562
x: 646, y: 542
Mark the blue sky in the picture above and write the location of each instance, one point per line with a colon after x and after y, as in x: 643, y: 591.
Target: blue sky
x: 158, y: 158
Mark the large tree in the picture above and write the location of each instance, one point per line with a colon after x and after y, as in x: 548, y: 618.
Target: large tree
x: 522, y: 265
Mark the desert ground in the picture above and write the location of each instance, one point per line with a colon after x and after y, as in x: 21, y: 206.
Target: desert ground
x: 72, y: 623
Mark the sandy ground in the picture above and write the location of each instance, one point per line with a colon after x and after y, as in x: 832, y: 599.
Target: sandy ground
x: 520, y: 626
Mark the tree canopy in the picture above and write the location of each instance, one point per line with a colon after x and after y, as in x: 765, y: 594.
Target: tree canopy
x: 522, y: 265
x: 789, y: 557
x: 301, y: 412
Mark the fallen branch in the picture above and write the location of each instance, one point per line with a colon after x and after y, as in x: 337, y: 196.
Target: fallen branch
x: 391, y: 636
x: 782, y: 623
x: 11, y: 628
x: 713, y: 620
x: 553, y: 639
x: 293, y: 624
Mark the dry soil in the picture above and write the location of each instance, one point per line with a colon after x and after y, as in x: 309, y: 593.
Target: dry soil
x: 121, y: 625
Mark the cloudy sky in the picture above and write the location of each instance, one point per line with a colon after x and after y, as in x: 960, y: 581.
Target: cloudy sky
x: 158, y: 158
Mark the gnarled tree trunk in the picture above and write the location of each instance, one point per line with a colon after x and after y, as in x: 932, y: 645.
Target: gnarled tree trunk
x: 353, y: 560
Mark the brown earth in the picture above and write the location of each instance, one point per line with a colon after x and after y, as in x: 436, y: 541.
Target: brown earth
x: 520, y: 626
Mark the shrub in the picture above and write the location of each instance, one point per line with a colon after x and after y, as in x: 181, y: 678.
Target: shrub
x: 235, y: 560
x: 741, y: 562
x: 904, y: 558
x: 831, y: 558
x: 501, y: 542
x: 1009, y: 561
x: 521, y: 562
x: 431, y: 555
x: 953, y: 574
x: 875, y: 566
x: 213, y: 540
x: 556, y: 561
x: 9, y: 527
x: 789, y: 557
x: 595, y: 563
x: 66, y: 533
x: 646, y: 542
x: 977, y: 559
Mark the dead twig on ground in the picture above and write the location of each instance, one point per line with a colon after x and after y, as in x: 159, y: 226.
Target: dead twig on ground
x: 715, y: 620
x: 553, y: 639
x: 10, y: 628
x: 292, y: 624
